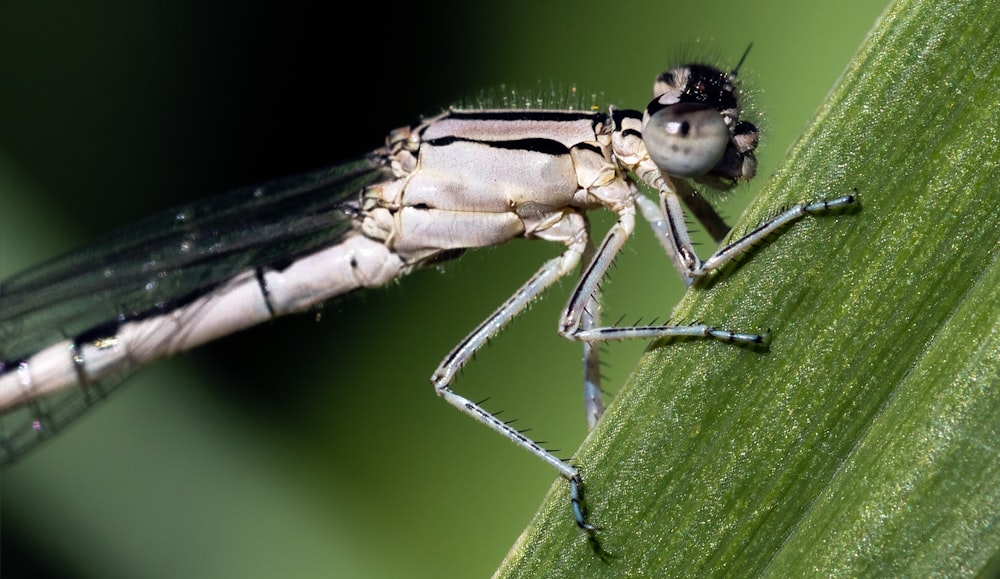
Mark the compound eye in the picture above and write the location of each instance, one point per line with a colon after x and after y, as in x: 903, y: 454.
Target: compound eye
x: 686, y: 139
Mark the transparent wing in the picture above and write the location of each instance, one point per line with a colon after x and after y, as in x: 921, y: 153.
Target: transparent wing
x: 176, y: 256
x: 160, y: 263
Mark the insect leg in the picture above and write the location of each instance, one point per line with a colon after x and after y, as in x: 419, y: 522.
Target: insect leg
x: 573, y: 325
x: 572, y: 230
x: 593, y: 396
x: 732, y: 250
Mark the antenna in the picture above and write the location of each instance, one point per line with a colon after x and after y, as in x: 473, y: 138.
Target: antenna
x: 740, y: 63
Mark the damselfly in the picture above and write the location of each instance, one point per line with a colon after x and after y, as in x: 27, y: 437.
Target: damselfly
x: 72, y: 329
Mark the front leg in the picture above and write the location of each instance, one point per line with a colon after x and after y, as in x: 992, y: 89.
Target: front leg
x: 732, y: 250
x: 670, y: 228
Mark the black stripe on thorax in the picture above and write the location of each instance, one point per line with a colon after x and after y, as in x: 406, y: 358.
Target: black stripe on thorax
x: 589, y: 147
x: 619, y: 116
x: 534, y: 145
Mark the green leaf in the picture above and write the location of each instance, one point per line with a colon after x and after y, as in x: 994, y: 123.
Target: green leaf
x: 865, y: 441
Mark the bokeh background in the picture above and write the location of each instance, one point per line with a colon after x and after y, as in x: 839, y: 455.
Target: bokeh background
x: 318, y: 448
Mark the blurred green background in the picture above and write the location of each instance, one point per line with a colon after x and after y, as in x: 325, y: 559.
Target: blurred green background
x: 318, y: 448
